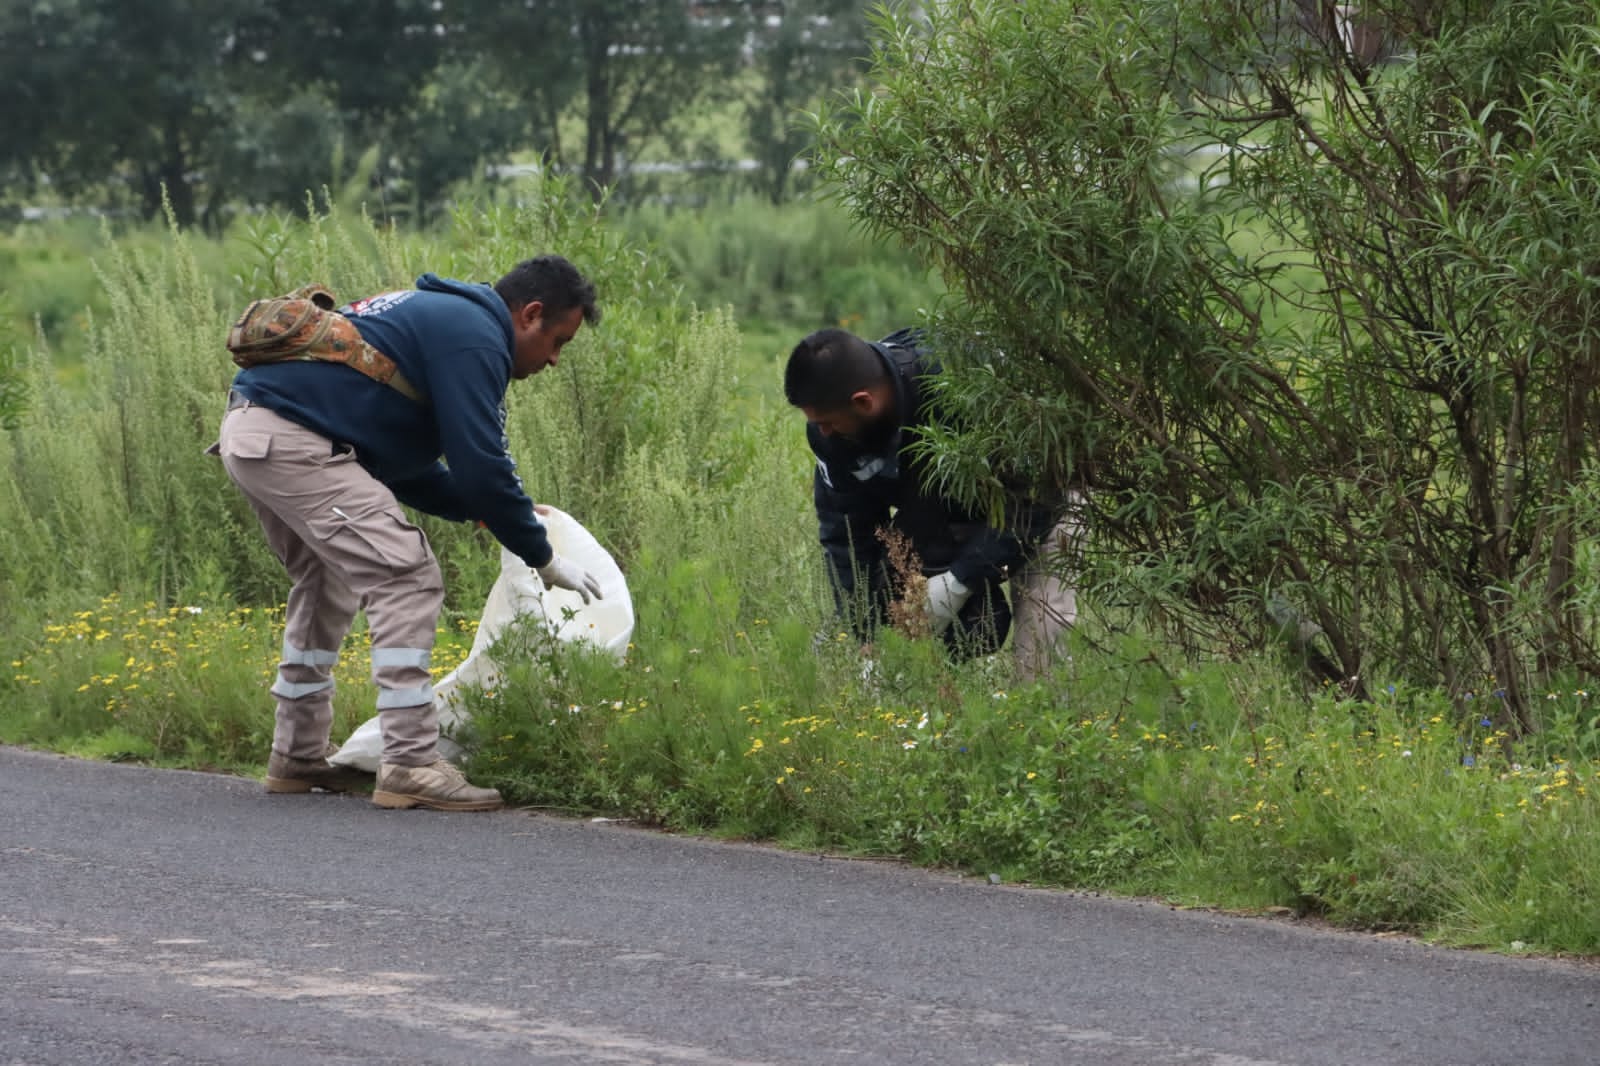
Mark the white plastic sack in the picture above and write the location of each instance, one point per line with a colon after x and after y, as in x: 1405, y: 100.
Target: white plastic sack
x: 606, y: 623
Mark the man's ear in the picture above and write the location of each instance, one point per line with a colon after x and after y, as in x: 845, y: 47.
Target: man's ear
x: 529, y: 313
x: 870, y: 403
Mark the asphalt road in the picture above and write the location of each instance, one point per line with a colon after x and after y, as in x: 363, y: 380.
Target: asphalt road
x: 152, y: 916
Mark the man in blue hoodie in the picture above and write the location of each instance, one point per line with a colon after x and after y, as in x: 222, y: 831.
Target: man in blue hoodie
x: 326, y: 455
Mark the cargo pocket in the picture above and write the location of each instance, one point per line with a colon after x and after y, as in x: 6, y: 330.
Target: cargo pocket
x: 244, y: 457
x: 381, y: 542
x: 246, y: 445
x: 341, y: 453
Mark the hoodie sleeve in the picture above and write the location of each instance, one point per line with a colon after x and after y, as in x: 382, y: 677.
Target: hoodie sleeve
x: 469, y: 408
x: 985, y: 555
x: 848, y: 517
x: 432, y: 492
x: 847, y: 524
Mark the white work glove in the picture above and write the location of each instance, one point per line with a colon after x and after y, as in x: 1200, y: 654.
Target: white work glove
x: 563, y: 573
x: 946, y: 597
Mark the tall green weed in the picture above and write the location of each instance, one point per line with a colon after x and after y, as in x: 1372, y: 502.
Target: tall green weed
x: 785, y: 270
x: 105, y: 486
x: 106, y: 490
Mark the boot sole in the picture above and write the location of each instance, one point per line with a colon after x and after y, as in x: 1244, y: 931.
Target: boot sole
x: 295, y: 786
x: 400, y: 801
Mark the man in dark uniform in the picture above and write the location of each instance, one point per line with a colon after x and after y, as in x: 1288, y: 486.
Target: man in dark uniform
x: 864, y: 403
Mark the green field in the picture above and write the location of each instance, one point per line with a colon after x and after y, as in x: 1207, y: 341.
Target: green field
x: 141, y: 604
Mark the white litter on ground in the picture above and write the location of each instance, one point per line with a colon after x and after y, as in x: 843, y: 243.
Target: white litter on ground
x: 607, y: 623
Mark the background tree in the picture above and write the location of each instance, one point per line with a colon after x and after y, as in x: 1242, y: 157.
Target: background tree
x: 144, y: 95
x: 318, y: 83
x: 275, y: 151
x: 461, y: 123
x: 531, y: 48
x: 1317, y: 333
x: 126, y: 89
x: 645, y: 64
x: 256, y: 102
x: 633, y: 70
x: 799, y: 51
x: 372, y: 57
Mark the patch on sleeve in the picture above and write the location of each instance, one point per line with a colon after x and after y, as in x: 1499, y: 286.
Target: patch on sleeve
x: 870, y: 467
x: 822, y: 472
x: 376, y: 305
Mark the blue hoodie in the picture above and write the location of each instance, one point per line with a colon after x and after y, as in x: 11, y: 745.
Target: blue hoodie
x: 454, y: 342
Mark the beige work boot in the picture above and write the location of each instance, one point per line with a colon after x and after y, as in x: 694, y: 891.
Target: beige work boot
x: 439, y: 786
x: 286, y: 774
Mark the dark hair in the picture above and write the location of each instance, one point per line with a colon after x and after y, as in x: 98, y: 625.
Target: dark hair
x: 829, y: 367
x: 552, y: 281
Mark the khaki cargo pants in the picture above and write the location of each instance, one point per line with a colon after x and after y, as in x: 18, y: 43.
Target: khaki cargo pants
x: 346, y: 545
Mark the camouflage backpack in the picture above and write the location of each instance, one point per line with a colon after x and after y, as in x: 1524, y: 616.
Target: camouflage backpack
x: 304, y: 326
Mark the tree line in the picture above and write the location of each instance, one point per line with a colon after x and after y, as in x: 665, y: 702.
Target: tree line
x: 214, y: 103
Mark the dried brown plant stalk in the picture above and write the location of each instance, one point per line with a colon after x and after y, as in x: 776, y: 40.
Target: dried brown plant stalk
x: 908, y: 612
